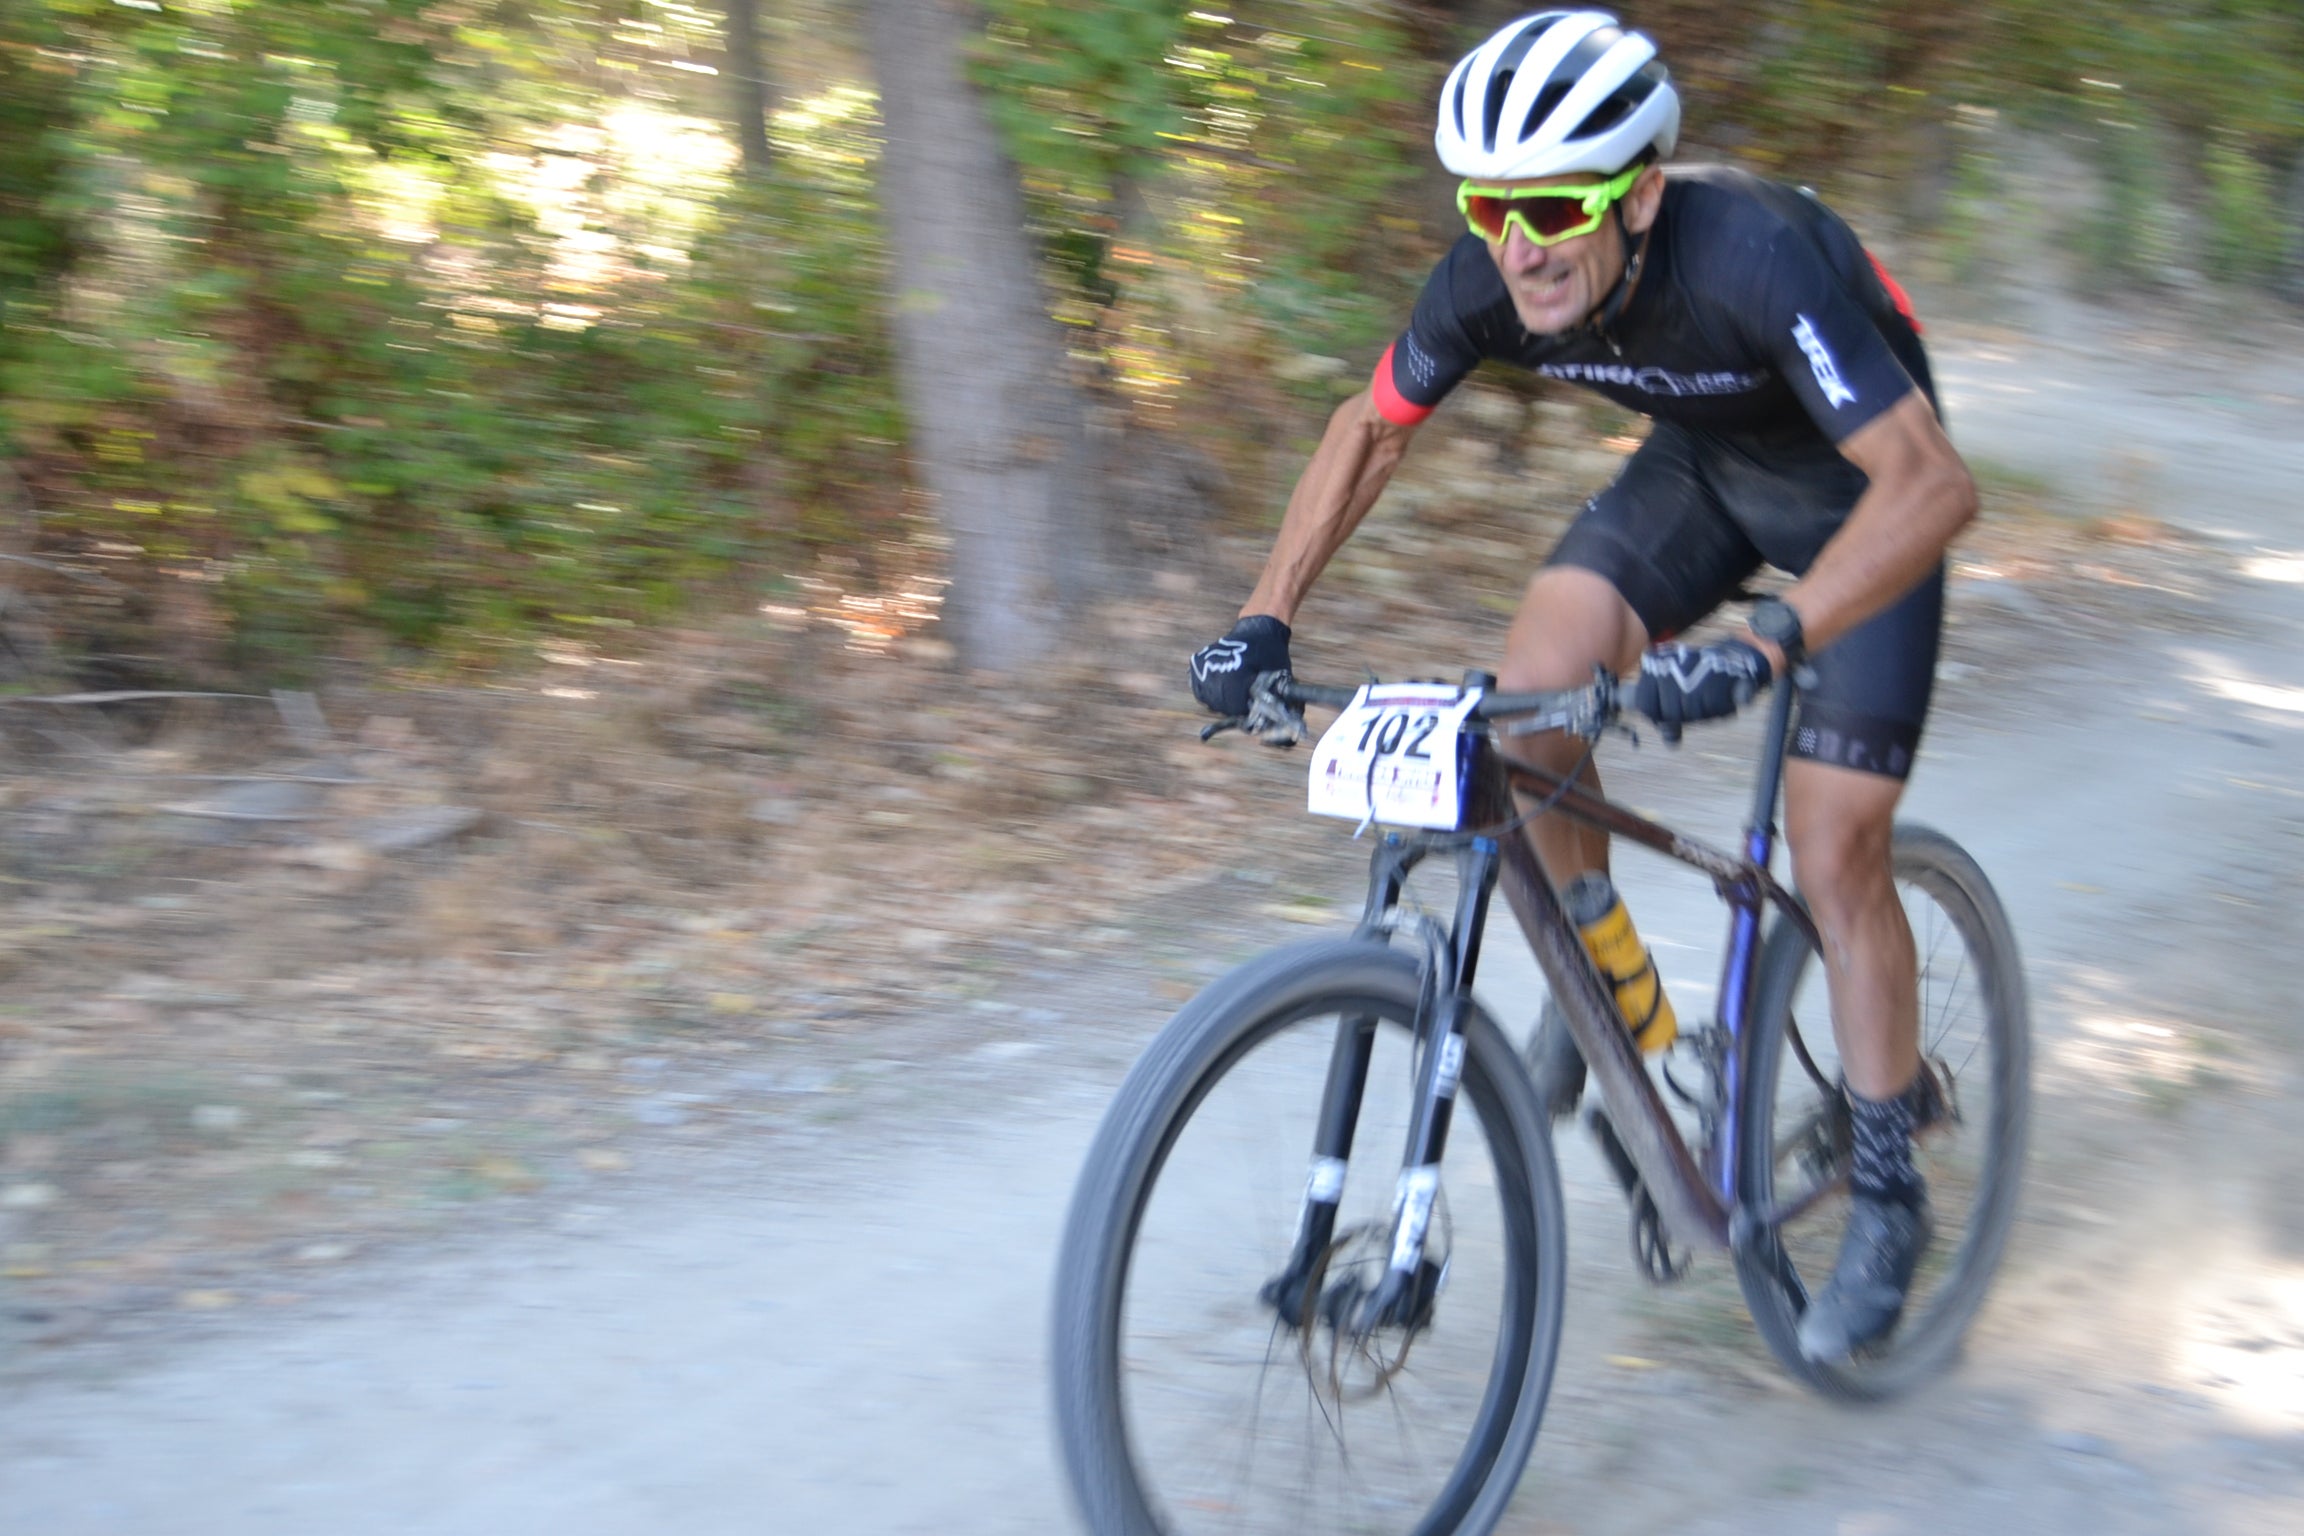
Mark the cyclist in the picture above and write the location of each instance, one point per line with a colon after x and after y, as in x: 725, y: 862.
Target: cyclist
x: 1794, y: 424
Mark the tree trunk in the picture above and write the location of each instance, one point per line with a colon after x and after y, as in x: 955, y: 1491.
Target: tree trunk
x: 749, y: 84
x: 998, y: 429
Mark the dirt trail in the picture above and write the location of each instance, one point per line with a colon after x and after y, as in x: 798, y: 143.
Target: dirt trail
x: 836, y: 1326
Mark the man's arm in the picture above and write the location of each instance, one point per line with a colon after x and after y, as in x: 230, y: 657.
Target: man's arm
x: 1920, y: 497
x: 1349, y: 470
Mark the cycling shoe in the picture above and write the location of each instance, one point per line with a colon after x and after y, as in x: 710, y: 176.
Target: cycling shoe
x: 1860, y: 1304
x: 1554, y: 1064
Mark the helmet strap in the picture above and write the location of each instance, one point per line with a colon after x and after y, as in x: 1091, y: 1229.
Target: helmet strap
x: 1635, y: 257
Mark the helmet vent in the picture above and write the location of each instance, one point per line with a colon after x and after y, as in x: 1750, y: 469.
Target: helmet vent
x: 1621, y: 105
x: 1498, y: 84
x: 1547, y: 101
x: 1500, y: 78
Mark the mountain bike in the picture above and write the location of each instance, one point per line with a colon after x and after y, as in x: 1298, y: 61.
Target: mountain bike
x: 1265, y: 1322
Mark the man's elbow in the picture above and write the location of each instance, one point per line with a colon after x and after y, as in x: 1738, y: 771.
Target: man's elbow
x: 1958, y: 496
x: 1362, y: 413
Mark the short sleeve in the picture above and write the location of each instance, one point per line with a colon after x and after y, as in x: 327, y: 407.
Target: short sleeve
x: 1821, y: 340
x: 1436, y: 351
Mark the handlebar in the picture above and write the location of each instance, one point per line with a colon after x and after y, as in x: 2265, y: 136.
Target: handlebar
x: 1276, y: 699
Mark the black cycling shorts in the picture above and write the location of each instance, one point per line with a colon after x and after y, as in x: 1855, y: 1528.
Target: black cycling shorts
x: 1692, y: 516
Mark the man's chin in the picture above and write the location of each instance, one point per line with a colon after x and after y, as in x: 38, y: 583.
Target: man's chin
x: 1549, y: 319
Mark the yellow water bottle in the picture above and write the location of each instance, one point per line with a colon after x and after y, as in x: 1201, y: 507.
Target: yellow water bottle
x: 1599, y: 914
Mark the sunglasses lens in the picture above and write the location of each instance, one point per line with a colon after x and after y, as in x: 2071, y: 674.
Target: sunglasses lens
x: 1486, y: 214
x: 1552, y: 218
x: 1555, y: 218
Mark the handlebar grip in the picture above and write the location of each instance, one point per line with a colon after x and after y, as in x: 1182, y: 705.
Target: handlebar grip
x: 1289, y: 689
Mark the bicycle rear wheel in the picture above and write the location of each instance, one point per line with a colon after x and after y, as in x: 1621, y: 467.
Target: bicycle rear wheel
x: 1975, y: 1048
x: 1185, y: 1402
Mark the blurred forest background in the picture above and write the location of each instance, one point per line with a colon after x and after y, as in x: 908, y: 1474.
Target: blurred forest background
x: 408, y: 336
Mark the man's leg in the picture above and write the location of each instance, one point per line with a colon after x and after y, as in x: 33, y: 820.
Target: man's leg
x: 1571, y: 620
x: 1840, y: 822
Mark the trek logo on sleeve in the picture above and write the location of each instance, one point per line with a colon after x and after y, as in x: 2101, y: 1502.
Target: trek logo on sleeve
x: 1836, y: 390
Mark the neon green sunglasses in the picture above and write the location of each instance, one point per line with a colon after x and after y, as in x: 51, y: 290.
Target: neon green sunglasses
x: 1546, y: 215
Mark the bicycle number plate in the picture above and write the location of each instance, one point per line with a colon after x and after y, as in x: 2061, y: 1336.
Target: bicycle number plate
x: 1393, y: 755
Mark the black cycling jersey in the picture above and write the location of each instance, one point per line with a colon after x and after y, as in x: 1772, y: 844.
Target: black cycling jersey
x: 1757, y: 317
x: 1759, y: 334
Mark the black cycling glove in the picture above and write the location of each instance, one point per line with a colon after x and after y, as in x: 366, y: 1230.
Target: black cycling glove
x: 1680, y: 683
x: 1222, y: 672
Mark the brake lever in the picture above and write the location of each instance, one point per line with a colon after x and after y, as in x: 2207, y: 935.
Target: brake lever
x: 1275, y: 721
x: 1284, y: 731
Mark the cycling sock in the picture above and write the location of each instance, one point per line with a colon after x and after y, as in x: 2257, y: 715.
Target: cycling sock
x: 1883, y: 1165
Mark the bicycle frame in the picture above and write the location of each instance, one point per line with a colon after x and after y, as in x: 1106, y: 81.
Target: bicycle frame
x: 1693, y: 1208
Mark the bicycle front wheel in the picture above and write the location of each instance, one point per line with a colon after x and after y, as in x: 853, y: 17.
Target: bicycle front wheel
x: 1188, y: 1402
x: 1975, y: 1051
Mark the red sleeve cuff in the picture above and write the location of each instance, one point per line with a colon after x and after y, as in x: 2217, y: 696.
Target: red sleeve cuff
x: 1392, y: 405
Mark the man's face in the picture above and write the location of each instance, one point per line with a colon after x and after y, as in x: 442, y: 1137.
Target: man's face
x: 1555, y: 288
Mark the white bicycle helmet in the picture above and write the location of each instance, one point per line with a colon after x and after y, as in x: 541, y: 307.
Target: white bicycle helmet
x: 1554, y: 93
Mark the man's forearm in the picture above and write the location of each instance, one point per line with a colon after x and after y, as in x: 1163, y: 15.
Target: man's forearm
x: 1349, y: 470
x: 1920, y: 497
x: 1890, y: 542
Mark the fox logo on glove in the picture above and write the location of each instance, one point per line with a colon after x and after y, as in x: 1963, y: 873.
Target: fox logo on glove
x: 1223, y: 656
x: 1223, y: 669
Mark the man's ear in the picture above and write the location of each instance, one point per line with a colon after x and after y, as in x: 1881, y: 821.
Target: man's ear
x: 1646, y: 196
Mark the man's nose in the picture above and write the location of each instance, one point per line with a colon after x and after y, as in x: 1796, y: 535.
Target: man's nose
x: 1522, y: 253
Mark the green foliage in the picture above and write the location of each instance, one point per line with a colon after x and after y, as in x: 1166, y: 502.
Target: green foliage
x: 1086, y: 99
x: 2135, y: 233
x: 1206, y: 182
x: 2187, y: 105
x: 431, y: 324
x: 33, y: 246
x: 2245, y: 240
x: 390, y: 317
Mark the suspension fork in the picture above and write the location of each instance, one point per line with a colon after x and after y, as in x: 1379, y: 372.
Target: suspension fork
x: 1403, y: 1295
x: 1348, y: 1058
x: 1439, y: 1032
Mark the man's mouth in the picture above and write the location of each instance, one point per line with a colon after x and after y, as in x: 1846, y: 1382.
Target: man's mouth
x: 1541, y: 289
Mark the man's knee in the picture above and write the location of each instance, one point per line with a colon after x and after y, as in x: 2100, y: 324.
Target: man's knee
x: 1842, y: 829
x: 1570, y: 620
x: 1838, y: 862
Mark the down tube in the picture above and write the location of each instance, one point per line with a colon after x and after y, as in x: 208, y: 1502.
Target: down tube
x: 1736, y: 983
